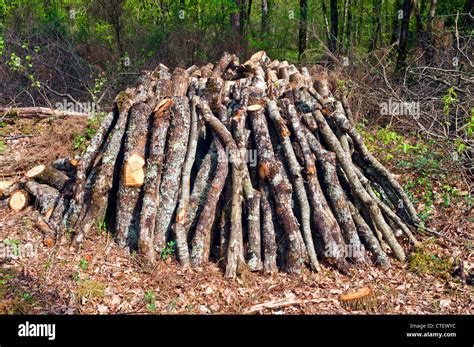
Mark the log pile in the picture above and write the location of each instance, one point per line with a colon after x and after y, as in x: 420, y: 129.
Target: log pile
x: 257, y: 165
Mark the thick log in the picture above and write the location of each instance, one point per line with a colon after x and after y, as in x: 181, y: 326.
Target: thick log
x: 151, y: 196
x: 132, y: 176
x: 268, y: 232
x: 272, y: 172
x: 201, y: 240
x: 201, y: 186
x: 48, y: 175
x: 183, y: 202
x: 297, y: 180
x: 45, y: 197
x: 174, y: 159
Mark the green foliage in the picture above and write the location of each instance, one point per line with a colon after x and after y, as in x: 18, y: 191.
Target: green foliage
x: 27, y: 297
x: 150, y: 299
x: 83, y: 264
x: 168, y: 250
x: 2, y: 45
x: 81, y: 141
x: 102, y: 225
x: 421, y: 261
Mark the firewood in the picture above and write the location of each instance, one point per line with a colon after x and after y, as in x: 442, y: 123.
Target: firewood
x: 45, y: 197
x: 7, y: 188
x: 48, y: 175
x: 168, y: 166
x: 18, y: 200
x: 68, y: 165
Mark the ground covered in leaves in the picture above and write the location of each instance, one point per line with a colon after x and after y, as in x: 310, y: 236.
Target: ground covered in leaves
x: 102, y: 278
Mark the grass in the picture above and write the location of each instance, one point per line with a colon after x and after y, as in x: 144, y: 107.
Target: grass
x: 90, y: 289
x: 422, y: 261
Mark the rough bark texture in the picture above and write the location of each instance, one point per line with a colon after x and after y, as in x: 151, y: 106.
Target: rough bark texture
x: 174, y: 158
x: 256, y: 165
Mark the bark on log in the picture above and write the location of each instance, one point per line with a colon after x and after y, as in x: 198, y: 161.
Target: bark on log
x: 174, y: 160
x: 132, y: 176
x: 183, y: 202
x: 45, y: 197
x: 297, y: 179
x: 48, y: 175
x: 67, y: 165
x: 275, y: 177
x: 357, y: 187
x: 201, y: 241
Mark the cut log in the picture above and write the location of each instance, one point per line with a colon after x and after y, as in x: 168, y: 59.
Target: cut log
x: 177, y: 143
x: 168, y: 166
x: 271, y: 171
x: 161, y: 121
x: 68, y: 165
x: 7, y: 188
x: 132, y: 178
x: 201, y: 241
x: 48, y: 175
x: 18, y: 200
x: 45, y: 197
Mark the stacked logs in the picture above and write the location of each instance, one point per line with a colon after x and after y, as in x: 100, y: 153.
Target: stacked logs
x: 256, y: 165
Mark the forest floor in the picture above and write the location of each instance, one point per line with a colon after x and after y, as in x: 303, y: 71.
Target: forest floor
x: 102, y: 278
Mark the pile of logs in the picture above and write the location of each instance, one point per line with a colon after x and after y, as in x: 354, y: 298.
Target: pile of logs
x: 257, y: 165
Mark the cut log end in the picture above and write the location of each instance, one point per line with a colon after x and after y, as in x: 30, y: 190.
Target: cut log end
x: 134, y: 172
x: 34, y: 172
x: 18, y: 200
x: 255, y: 108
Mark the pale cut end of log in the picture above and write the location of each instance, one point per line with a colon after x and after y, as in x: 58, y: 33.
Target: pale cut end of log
x: 162, y: 107
x: 257, y: 57
x: 134, y: 172
x: 18, y: 200
x: 32, y: 173
x: 254, y: 108
x: 48, y: 175
x: 357, y: 295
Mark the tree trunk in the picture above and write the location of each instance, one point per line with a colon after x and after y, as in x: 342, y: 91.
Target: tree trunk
x: 404, y: 31
x: 303, y: 28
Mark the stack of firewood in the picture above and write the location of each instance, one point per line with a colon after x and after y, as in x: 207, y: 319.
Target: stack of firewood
x: 257, y: 165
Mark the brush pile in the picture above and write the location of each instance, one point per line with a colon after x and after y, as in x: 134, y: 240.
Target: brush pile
x: 257, y: 165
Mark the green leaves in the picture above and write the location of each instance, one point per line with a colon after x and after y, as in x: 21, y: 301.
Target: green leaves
x: 168, y: 250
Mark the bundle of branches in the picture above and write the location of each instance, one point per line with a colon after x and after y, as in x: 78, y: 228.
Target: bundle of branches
x: 254, y: 164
